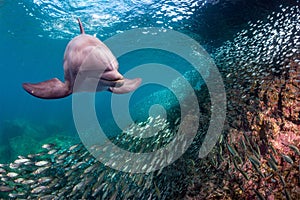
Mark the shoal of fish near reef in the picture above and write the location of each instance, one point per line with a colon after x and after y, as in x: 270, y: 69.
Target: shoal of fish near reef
x: 74, y: 173
x: 261, y: 67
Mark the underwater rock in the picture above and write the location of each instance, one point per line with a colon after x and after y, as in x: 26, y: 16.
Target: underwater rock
x: 166, y: 97
x: 22, y: 137
x: 259, y: 147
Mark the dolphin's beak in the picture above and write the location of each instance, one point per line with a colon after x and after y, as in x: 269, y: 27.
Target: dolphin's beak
x: 112, y: 75
x: 112, y: 78
x: 128, y: 85
x: 117, y: 83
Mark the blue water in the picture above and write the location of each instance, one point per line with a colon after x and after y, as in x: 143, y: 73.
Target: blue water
x: 34, y: 34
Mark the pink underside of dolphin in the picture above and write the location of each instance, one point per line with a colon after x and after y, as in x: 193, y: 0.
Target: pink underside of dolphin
x: 91, y: 58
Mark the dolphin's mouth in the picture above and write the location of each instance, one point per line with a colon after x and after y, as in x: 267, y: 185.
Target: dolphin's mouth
x: 111, y: 78
x: 111, y: 83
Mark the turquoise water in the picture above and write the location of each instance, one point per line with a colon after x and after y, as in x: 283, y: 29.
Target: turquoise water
x: 255, y: 46
x: 33, y: 39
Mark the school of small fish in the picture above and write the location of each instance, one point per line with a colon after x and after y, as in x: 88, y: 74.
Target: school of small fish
x: 73, y: 173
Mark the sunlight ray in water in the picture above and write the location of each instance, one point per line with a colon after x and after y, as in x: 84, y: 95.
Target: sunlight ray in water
x: 57, y: 17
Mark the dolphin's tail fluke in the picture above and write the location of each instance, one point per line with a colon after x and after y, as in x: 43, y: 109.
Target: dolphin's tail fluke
x: 51, y: 89
x: 80, y: 26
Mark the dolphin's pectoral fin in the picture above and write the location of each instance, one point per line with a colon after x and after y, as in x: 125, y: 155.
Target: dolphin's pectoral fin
x: 128, y: 86
x: 51, y: 89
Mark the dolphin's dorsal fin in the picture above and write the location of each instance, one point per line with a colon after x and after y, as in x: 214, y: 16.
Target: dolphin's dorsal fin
x: 80, y: 26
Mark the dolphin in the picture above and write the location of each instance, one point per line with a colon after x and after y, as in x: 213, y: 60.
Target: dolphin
x: 90, y: 62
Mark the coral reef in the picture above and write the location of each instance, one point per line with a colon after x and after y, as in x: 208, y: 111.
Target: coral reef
x: 258, y: 154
